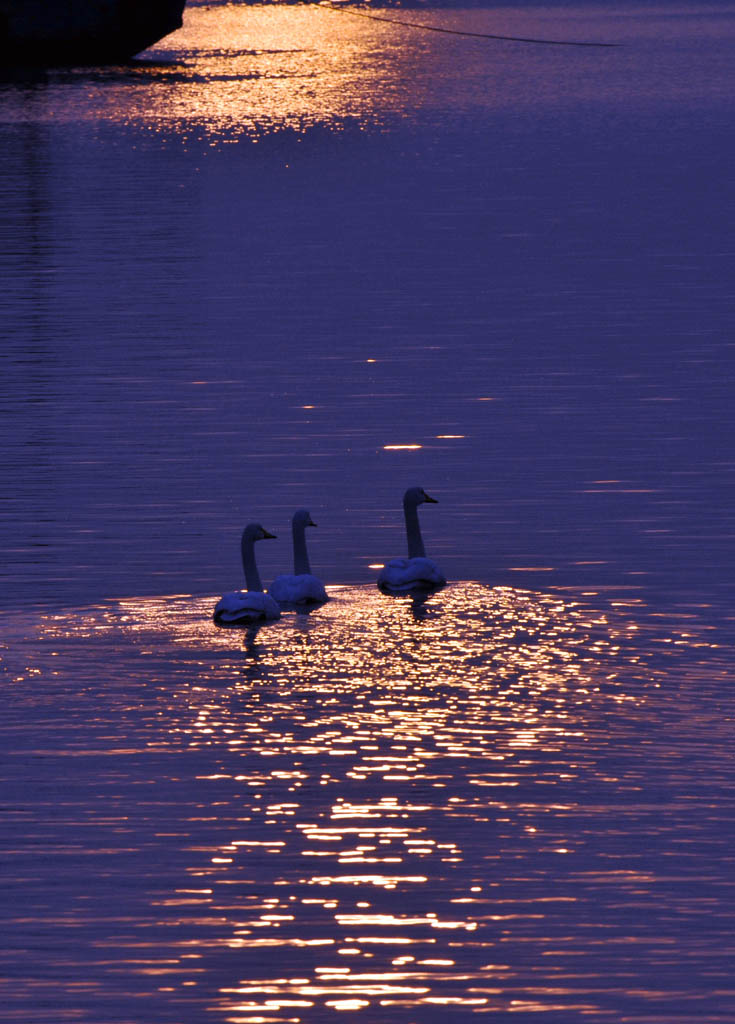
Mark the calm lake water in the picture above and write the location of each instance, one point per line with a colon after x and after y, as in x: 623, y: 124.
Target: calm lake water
x: 293, y: 257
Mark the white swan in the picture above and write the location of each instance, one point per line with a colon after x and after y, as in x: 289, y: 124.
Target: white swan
x: 301, y: 587
x: 417, y: 572
x: 251, y: 605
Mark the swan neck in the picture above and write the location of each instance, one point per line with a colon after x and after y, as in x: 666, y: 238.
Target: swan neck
x: 301, y: 565
x: 413, y: 531
x: 252, y: 576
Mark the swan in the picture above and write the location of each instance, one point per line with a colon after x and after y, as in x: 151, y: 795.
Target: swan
x: 301, y: 587
x: 251, y: 605
x: 416, y: 572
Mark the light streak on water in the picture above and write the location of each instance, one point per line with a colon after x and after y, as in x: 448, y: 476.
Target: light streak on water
x: 489, y: 802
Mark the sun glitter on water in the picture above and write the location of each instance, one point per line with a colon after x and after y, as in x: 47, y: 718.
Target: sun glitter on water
x: 377, y: 793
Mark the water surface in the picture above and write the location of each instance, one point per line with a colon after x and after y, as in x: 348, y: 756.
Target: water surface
x: 496, y: 802
x: 295, y: 258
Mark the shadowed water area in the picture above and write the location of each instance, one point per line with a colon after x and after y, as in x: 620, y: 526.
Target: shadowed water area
x: 293, y: 258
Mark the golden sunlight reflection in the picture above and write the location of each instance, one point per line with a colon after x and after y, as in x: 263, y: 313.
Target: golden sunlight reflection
x: 241, y: 70
x: 249, y: 70
x: 381, y: 798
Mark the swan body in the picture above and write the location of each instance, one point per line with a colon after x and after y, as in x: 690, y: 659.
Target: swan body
x: 417, y: 572
x: 301, y: 587
x: 245, y: 606
x: 242, y: 607
x: 401, y: 575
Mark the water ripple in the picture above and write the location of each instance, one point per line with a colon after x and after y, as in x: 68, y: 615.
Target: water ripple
x: 496, y: 801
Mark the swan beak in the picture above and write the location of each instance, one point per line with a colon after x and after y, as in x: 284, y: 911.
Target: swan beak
x: 428, y: 498
x: 269, y: 536
x: 311, y: 522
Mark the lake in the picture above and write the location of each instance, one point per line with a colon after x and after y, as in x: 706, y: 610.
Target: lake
x: 296, y: 257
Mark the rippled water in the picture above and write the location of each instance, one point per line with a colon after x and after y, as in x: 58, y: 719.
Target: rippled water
x: 245, y: 274
x: 292, y: 258
x: 489, y: 803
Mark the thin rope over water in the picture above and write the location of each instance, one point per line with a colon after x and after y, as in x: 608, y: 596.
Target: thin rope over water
x: 457, y: 32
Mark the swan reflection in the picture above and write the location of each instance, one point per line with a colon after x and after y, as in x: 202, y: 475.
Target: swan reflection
x: 416, y: 600
x: 250, y: 646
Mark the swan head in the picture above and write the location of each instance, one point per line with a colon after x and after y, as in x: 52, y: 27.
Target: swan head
x: 254, y: 531
x: 302, y: 518
x: 417, y: 496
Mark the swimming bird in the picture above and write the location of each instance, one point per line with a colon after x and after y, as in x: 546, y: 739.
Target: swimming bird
x: 416, y: 572
x: 302, y: 587
x: 241, y: 607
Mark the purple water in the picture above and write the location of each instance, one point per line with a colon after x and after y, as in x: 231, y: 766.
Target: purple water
x: 294, y: 258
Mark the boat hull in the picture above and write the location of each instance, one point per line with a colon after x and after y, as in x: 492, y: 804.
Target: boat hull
x: 45, y: 33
